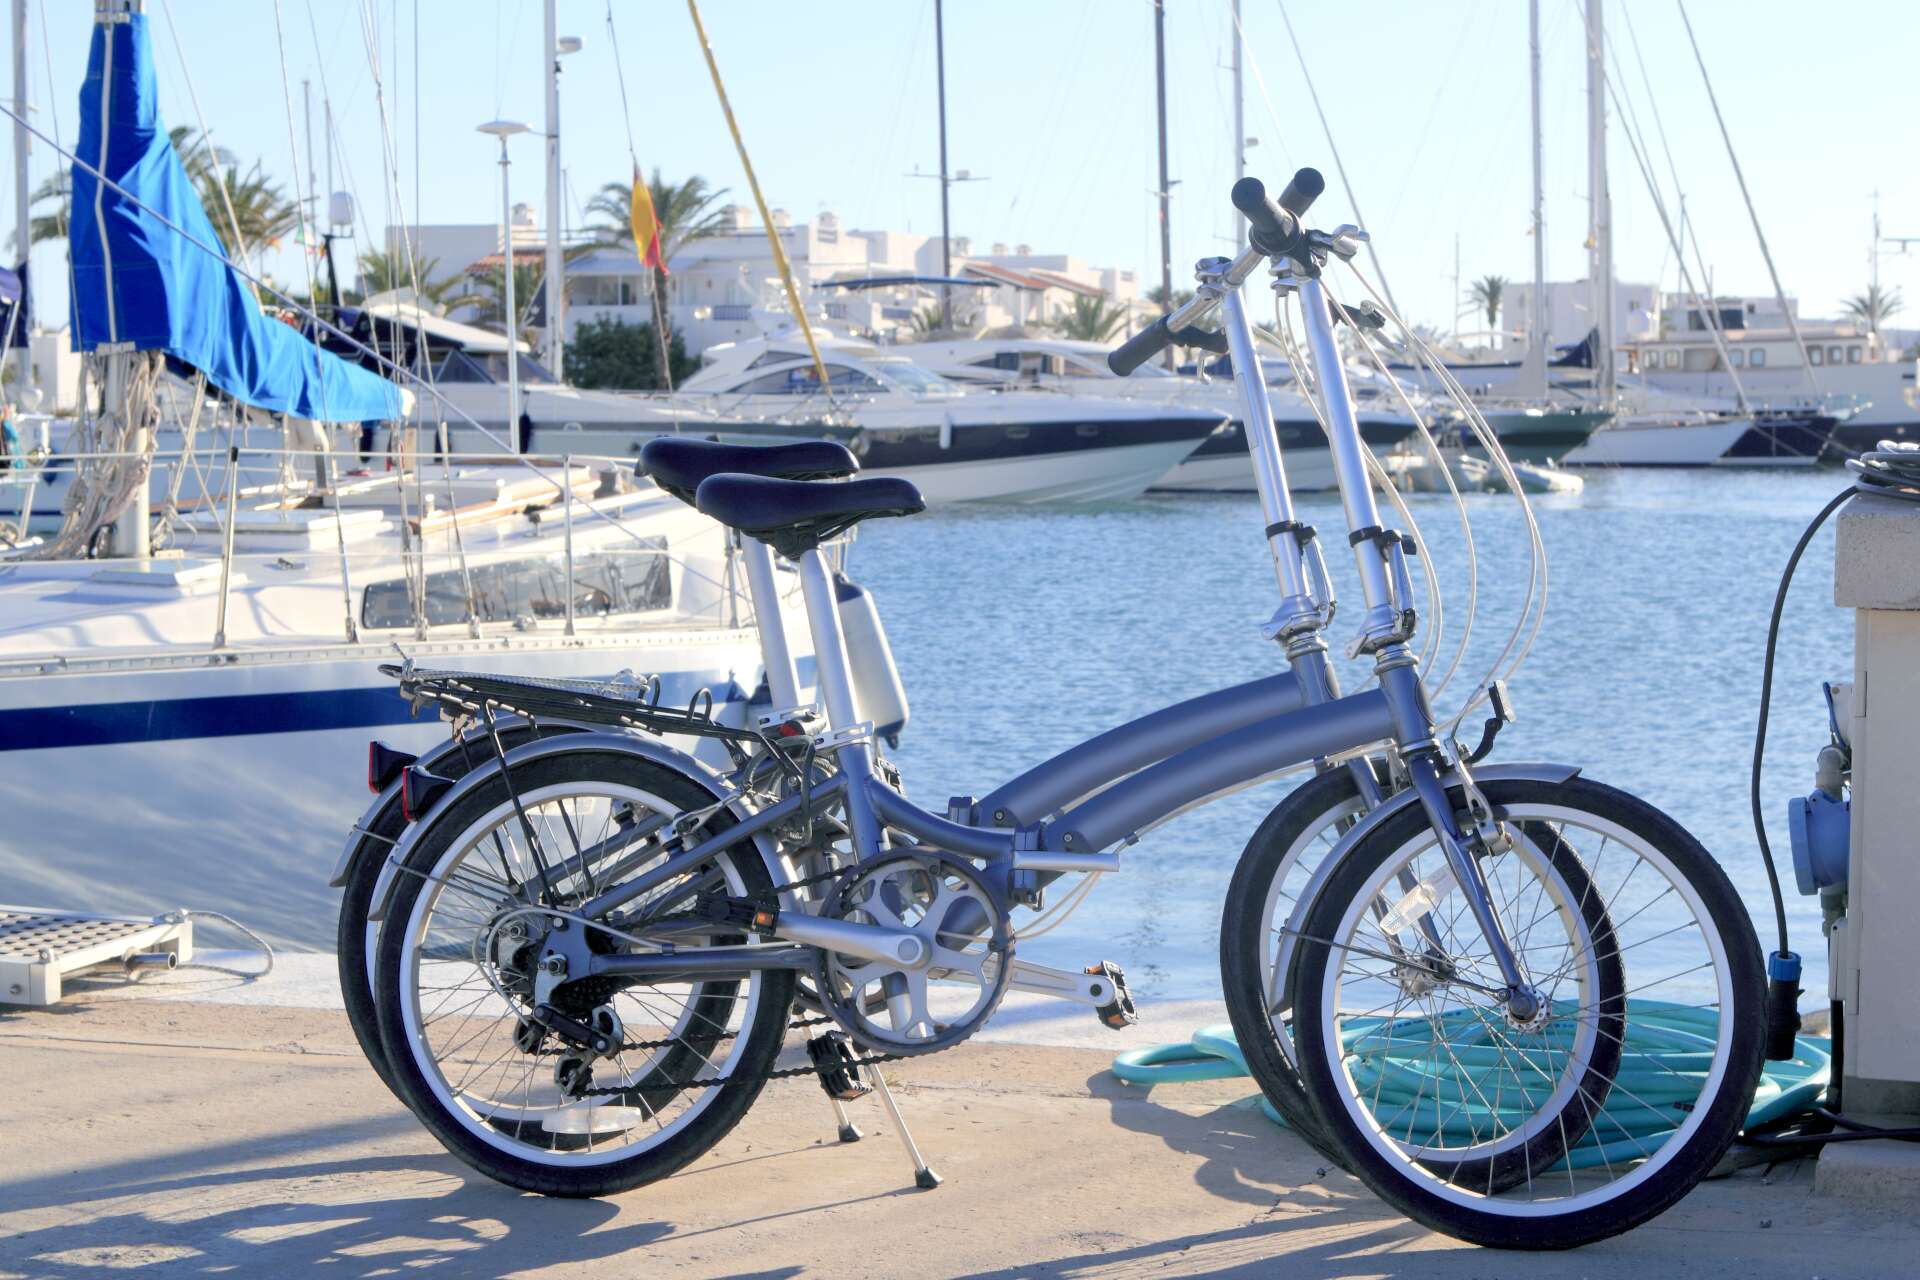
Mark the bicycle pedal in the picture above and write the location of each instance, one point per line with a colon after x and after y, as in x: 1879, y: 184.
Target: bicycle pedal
x: 838, y: 1073
x: 1118, y: 1013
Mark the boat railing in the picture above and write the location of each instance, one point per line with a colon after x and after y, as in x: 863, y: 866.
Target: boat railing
x: 236, y: 481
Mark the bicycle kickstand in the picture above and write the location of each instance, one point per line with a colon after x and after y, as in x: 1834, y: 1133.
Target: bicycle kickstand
x: 923, y: 1177
x: 849, y: 1131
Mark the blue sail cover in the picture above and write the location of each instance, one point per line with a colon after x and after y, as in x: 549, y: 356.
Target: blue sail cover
x: 142, y: 282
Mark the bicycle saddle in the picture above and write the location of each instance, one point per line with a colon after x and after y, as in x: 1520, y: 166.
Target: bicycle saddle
x: 678, y: 463
x: 793, y: 516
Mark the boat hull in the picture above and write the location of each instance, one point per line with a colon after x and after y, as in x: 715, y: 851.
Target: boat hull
x: 139, y: 789
x: 1630, y: 442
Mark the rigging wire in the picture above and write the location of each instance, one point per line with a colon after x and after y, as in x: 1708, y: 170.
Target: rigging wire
x: 206, y: 138
x: 1333, y: 148
x: 1779, y: 291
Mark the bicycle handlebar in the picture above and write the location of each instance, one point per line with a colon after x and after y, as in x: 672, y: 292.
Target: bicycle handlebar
x: 1275, y: 231
x: 1275, y: 225
x: 1140, y: 348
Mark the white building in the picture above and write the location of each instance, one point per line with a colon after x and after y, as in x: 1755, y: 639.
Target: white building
x: 1569, y: 318
x: 715, y: 285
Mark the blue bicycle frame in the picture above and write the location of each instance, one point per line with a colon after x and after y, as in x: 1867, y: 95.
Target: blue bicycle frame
x: 1069, y: 814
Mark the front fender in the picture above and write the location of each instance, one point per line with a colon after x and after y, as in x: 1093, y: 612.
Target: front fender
x: 1533, y: 771
x: 652, y: 750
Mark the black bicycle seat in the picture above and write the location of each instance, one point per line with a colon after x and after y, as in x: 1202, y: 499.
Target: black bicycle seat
x: 679, y: 463
x: 793, y: 516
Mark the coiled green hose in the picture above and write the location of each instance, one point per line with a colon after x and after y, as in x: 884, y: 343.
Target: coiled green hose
x: 1450, y: 1096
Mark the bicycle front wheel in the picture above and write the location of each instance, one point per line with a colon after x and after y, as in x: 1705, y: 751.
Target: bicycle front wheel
x: 1592, y: 1117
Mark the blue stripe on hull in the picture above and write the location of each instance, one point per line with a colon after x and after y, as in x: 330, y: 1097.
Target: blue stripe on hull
x: 238, y: 715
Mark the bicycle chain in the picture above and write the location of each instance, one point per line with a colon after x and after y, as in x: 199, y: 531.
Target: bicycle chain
x: 816, y: 1069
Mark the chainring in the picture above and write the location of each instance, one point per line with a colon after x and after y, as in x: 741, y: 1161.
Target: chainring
x: 889, y: 1007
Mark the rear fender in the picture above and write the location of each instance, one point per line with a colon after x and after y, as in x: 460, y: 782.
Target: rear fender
x: 651, y: 750
x: 359, y: 842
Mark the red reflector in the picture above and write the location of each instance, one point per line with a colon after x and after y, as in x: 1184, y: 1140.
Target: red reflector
x: 791, y: 729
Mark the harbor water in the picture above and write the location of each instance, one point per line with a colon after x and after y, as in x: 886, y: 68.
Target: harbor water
x: 1022, y: 630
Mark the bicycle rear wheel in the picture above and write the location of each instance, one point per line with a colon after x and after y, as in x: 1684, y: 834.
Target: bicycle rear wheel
x: 455, y: 975
x: 1436, y: 1097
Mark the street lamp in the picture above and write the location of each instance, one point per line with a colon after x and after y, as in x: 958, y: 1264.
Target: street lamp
x: 558, y: 47
x: 504, y: 129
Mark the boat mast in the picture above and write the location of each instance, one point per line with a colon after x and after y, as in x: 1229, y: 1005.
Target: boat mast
x: 556, y: 282
x: 22, y: 205
x: 1166, y: 229
x: 1600, y: 211
x: 1537, y: 313
x: 946, y: 232
x: 1239, y: 132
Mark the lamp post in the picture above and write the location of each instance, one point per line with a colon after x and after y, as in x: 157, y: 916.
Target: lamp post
x: 504, y: 129
x: 558, y: 46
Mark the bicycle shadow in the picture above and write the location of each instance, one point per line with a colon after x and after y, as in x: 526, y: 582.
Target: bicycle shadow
x: 271, y: 1214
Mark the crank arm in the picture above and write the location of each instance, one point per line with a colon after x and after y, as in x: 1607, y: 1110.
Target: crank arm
x: 1090, y: 989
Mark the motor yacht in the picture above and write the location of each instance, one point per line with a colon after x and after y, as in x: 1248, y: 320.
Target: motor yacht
x: 1222, y: 464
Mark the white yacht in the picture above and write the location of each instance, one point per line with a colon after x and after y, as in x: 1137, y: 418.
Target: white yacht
x: 1846, y: 367
x: 462, y: 372
x: 956, y: 443
x: 172, y: 736
x: 1220, y: 465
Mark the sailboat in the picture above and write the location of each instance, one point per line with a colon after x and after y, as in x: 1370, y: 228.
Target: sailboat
x: 184, y: 724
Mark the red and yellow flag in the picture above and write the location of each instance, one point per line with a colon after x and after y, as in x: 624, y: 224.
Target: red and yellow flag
x: 646, y: 224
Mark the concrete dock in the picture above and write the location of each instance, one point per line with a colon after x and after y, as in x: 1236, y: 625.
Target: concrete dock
x: 162, y: 1131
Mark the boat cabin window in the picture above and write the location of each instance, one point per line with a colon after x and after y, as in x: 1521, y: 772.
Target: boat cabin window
x: 1853, y: 355
x: 910, y: 376
x: 1814, y: 356
x: 1739, y: 359
x: 1673, y: 360
x: 802, y: 379
x: 1833, y: 354
x: 630, y: 579
x: 1759, y: 357
x: 489, y: 367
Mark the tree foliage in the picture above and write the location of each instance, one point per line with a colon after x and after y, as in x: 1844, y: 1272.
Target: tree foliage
x: 1092, y: 319
x: 262, y: 212
x: 608, y: 354
x: 1874, y: 307
x: 487, y: 294
x: 1486, y: 294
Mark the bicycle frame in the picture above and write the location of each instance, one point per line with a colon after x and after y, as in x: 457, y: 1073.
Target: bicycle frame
x: 1068, y: 814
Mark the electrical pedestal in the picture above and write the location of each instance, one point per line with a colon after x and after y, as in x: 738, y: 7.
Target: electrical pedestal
x: 1876, y: 947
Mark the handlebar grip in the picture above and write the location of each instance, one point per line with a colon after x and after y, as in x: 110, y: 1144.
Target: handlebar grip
x: 1271, y: 228
x: 1302, y: 191
x: 1140, y: 348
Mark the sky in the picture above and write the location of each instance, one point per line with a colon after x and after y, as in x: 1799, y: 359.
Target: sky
x: 1052, y: 103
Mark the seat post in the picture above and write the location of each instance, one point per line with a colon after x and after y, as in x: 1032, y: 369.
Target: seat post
x: 835, y: 678
x: 835, y: 672
x: 763, y: 585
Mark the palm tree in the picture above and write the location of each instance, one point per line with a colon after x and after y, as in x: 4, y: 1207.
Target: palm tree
x: 927, y: 320
x: 1486, y: 295
x: 380, y: 272
x: 1874, y: 307
x: 262, y: 213
x: 488, y: 294
x: 1092, y: 319
x: 1158, y: 297
x: 686, y: 211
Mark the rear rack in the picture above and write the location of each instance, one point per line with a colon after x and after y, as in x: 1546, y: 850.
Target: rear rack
x: 623, y: 701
